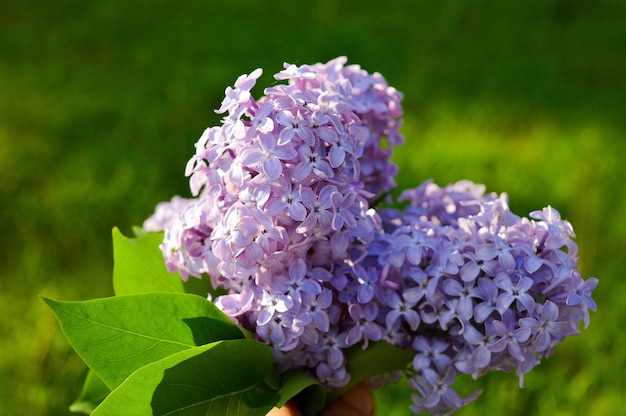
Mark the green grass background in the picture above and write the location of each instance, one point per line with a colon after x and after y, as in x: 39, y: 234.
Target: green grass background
x: 101, y: 103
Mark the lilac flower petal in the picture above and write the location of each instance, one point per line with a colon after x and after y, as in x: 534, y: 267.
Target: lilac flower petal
x: 469, y: 271
x: 285, y: 152
x: 264, y: 316
x: 365, y: 293
x: 482, y: 311
x: 336, y: 156
x: 486, y: 252
x: 297, y: 211
x: 302, y: 170
x: 532, y: 263
x: 413, y: 294
x: 285, y: 136
x: 273, y: 168
x: 307, y: 136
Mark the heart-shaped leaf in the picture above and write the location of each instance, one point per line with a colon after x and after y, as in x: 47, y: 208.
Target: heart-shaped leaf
x: 221, y: 379
x: 116, y: 336
x: 139, y: 266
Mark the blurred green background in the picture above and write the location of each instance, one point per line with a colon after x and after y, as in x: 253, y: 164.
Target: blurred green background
x: 102, y: 102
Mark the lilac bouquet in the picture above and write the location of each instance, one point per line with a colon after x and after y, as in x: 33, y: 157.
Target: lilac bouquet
x: 292, y: 221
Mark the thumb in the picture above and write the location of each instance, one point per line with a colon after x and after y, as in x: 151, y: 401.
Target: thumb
x: 359, y: 401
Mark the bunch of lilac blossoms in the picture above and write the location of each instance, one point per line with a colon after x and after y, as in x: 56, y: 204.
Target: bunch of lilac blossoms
x: 281, y: 214
x: 477, y: 288
x: 283, y: 219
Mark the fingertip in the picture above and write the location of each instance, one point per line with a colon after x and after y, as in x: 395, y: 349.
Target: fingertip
x: 289, y: 409
x: 358, y: 401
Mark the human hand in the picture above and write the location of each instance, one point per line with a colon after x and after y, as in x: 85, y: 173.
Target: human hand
x: 359, y: 401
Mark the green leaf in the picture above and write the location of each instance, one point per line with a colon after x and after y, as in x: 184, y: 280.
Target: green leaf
x: 139, y: 266
x: 308, y: 393
x: 116, y: 336
x: 379, y: 358
x: 393, y: 399
x: 222, y: 379
x: 93, y: 393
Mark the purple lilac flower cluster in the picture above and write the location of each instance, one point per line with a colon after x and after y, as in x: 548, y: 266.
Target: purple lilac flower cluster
x: 284, y: 218
x: 475, y: 287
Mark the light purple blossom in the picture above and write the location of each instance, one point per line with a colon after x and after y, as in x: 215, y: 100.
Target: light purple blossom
x: 510, y: 338
x: 294, y: 125
x: 269, y: 155
x: 478, y: 347
x: 319, y: 206
x: 342, y: 213
x: 546, y: 328
x: 437, y: 390
x: 285, y: 199
x: 488, y: 293
x: 430, y: 352
x: 514, y: 292
x: 312, y: 161
x: 240, y: 95
x: 401, y: 309
x: 315, y: 309
x: 582, y: 293
x: 272, y: 303
x: 367, y: 279
x: 364, y: 326
x: 296, y: 283
x: 333, y: 377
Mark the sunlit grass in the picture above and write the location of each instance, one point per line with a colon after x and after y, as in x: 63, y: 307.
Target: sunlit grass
x: 100, y: 104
